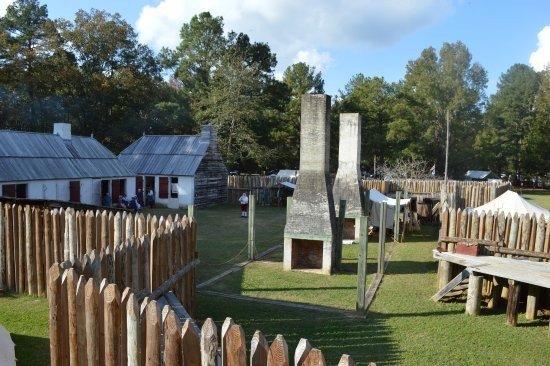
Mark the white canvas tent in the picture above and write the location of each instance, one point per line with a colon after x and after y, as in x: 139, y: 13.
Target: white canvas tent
x: 376, y: 199
x: 510, y: 203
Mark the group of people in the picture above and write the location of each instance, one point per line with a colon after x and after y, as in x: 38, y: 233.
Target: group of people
x: 134, y: 203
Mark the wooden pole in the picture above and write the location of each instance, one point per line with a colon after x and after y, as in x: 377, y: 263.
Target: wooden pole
x: 117, y: 230
x: 346, y: 360
x: 512, y: 307
x: 251, y: 228
x: 132, y: 330
x: 2, y: 249
x: 29, y: 252
x: 19, y: 229
x: 362, y: 264
x: 382, y: 238
x: 39, y: 251
x: 236, y: 346
x: 405, y: 195
x: 209, y: 343
x: 258, y: 349
x: 191, y: 211
x: 396, y: 216
x: 228, y: 322
x: 278, y: 352
x: 190, y: 344
x: 302, y: 350
x: 340, y: 233
x: 80, y: 296
x: 111, y: 308
x: 172, y: 340
x: 9, y: 251
x: 71, y: 279
x: 154, y: 321
x: 531, y: 307
x: 473, y: 300
x: 56, y: 314
x: 92, y: 322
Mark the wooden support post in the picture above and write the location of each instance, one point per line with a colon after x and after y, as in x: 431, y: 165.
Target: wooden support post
x: 532, y: 297
x: 496, y: 291
x: 92, y: 322
x: 382, y: 238
x: 278, y: 352
x: 512, y: 308
x: 396, y: 216
x: 251, y: 228
x: 301, y: 352
x: 111, y: 328
x: 56, y: 314
x: 228, y: 322
x: 190, y: 344
x: 39, y: 252
x: 362, y: 264
x: 2, y: 249
x: 258, y: 349
x: 191, y: 211
x: 172, y: 340
x: 29, y: 253
x: 473, y: 301
x: 80, y: 297
x: 209, y: 343
x: 236, y: 346
x: 132, y: 330
x: 445, y: 273
x: 346, y: 360
x: 340, y: 233
x: 153, y: 325
x: 405, y: 195
x: 117, y: 231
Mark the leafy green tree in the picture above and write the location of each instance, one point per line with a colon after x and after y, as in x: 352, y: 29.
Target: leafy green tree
x: 443, y: 92
x: 31, y: 54
x: 510, y: 115
x: 373, y: 98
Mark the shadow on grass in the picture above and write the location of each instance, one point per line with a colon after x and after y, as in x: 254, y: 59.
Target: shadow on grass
x: 31, y: 350
x: 366, y: 340
x: 411, y: 267
x: 283, y: 289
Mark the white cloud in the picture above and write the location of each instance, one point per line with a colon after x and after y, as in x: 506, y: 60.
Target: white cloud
x: 3, y: 5
x: 540, y: 58
x: 320, y: 60
x: 291, y: 26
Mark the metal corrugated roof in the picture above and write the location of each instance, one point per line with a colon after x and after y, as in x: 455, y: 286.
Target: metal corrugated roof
x: 165, y: 155
x: 28, y: 156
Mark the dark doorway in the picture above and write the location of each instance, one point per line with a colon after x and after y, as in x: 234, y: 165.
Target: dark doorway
x: 139, y: 186
x: 118, y: 188
x: 8, y: 190
x: 74, y: 191
x: 150, y: 184
x: 21, y: 191
x: 104, y: 187
x: 163, y: 187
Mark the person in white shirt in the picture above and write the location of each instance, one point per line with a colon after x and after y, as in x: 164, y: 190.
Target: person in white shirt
x: 243, y: 200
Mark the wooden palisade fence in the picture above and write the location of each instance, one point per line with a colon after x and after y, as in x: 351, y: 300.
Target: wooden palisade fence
x: 102, y: 323
x: 513, y: 236
x: 125, y: 248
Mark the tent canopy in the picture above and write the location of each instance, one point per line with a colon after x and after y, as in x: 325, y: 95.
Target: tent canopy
x: 510, y: 203
x: 376, y: 196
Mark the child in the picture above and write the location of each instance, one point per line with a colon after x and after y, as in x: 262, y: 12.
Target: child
x: 243, y: 200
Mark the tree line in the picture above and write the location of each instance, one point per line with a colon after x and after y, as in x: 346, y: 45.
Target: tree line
x: 92, y: 71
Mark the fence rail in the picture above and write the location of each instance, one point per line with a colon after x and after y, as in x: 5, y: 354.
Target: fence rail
x: 125, y: 248
x: 103, y: 323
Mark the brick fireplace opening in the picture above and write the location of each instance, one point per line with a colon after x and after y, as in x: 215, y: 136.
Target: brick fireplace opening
x: 307, y: 254
x: 349, y: 229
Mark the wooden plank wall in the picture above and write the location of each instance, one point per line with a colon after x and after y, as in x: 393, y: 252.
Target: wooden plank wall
x: 98, y: 322
x: 135, y: 251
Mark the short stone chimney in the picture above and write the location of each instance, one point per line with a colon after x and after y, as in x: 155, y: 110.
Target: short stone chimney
x: 207, y: 131
x: 63, y: 130
x: 347, y: 185
x: 310, y: 227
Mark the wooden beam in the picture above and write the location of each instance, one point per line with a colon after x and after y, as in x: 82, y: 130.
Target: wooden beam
x: 451, y: 284
x: 362, y: 264
x: 512, y: 308
x: 473, y: 301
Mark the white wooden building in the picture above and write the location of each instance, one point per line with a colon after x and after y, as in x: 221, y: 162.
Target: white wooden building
x: 60, y: 167
x: 180, y: 169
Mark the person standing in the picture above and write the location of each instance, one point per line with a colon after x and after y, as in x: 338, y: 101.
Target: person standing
x: 243, y: 200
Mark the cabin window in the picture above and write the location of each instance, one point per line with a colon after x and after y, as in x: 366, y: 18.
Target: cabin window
x: 8, y: 190
x: 149, y: 184
x: 139, y: 186
x: 74, y: 191
x: 118, y: 188
x: 174, y: 187
x: 163, y: 187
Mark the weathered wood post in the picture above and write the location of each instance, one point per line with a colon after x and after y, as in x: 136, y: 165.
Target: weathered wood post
x: 190, y: 344
x: 396, y: 216
x: 236, y: 346
x: 473, y: 300
x: 132, y: 330
x: 191, y: 211
x: 382, y: 237
x: 2, y: 249
x: 258, y: 349
x: 29, y: 252
x: 10, y: 248
x: 172, y: 340
x: 251, y: 228
x: 91, y: 294
x: 512, y: 307
x: 339, y: 242
x: 362, y: 264
x: 56, y: 314
x: 39, y: 252
x: 111, y: 308
x: 117, y: 230
x: 405, y: 195
x: 154, y: 321
x: 209, y: 343
x: 278, y: 352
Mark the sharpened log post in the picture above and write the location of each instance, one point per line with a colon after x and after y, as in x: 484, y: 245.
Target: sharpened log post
x: 382, y: 238
x: 512, y: 308
x: 473, y: 300
x: 340, y: 233
x: 362, y: 264
x: 2, y: 250
x: 191, y: 211
x: 209, y: 343
x: 251, y: 227
x: 531, y: 307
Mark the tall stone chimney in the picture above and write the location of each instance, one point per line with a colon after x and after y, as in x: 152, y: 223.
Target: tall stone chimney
x: 347, y: 185
x: 310, y: 227
x: 63, y: 130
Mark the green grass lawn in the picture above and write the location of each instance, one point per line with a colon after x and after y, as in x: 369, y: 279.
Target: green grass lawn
x: 537, y: 196
x: 402, y: 327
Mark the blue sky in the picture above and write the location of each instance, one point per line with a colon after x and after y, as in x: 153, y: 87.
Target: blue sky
x: 342, y: 38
